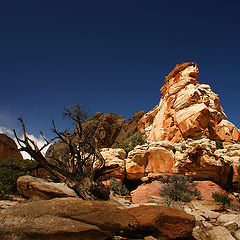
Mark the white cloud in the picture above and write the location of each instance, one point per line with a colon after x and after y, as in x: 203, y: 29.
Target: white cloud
x: 6, y: 131
x: 38, y: 140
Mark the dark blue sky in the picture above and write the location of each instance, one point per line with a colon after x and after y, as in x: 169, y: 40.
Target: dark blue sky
x: 111, y: 56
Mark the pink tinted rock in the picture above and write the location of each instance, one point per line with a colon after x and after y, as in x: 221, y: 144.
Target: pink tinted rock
x: 144, y: 192
x: 207, y: 188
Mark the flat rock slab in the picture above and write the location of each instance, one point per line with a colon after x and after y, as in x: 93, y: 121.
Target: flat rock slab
x: 36, y: 187
x: 73, y: 218
x: 220, y: 233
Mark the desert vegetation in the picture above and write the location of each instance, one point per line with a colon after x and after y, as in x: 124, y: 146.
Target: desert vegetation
x: 11, y: 169
x: 178, y: 187
x: 130, y: 143
x: 82, y: 165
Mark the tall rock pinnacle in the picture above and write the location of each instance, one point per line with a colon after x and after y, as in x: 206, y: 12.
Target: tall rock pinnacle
x: 187, y: 109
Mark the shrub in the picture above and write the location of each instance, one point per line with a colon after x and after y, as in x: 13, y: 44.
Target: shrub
x: 169, y: 202
x: 130, y: 143
x: 10, y: 170
x: 118, y: 188
x: 219, y: 145
x: 179, y: 188
x: 223, y: 198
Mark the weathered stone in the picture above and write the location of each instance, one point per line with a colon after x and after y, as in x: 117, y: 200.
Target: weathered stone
x: 227, y: 218
x: 206, y: 189
x: 207, y: 205
x: 201, y: 164
x: 73, y: 218
x: 6, y: 203
x: 65, y: 218
x: 237, y: 234
x: 226, y: 131
x: 115, y: 156
x: 35, y: 187
x: 220, y: 233
x: 171, y: 223
x: 144, y: 192
x: 232, y: 227
x: 144, y: 161
x: 8, y: 148
x: 187, y: 109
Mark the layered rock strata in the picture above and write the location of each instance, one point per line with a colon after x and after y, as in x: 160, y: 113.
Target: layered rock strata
x: 187, y: 109
x: 198, y: 159
x: 73, y: 218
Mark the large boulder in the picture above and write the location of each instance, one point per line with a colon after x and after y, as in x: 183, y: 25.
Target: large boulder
x: 144, y: 193
x: 187, y: 109
x: 33, y: 187
x: 73, y: 218
x: 170, y: 223
x: 8, y: 148
x: 206, y: 189
x: 194, y: 158
x: 149, y: 159
x: 115, y: 156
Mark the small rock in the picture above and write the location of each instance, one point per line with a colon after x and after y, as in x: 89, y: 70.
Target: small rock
x: 226, y: 218
x: 31, y: 187
x: 199, y: 234
x: 232, y: 227
x: 150, y: 238
x: 211, y: 214
x: 237, y: 234
x: 220, y: 233
x: 207, y: 205
x: 6, y: 203
x: 207, y: 224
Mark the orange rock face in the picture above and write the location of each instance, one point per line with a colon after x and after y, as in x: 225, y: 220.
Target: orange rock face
x: 144, y: 161
x: 187, y: 109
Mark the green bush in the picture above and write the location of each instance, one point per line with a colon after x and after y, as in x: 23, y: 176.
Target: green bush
x: 179, y: 188
x: 223, y: 198
x: 130, y: 143
x: 219, y: 145
x: 10, y: 170
x: 118, y: 188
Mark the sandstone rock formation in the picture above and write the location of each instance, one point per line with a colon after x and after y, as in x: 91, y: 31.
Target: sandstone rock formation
x: 5, y: 151
x: 35, y: 187
x: 73, y: 218
x: 115, y: 156
x: 151, y: 192
x: 112, y: 128
x: 146, y: 191
x: 187, y: 109
x: 109, y: 127
x: 194, y: 158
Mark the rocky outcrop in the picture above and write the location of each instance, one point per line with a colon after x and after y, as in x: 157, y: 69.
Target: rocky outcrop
x: 149, y: 159
x: 73, y: 218
x: 8, y: 148
x: 32, y: 187
x: 115, y: 156
x: 151, y: 191
x: 110, y: 129
x: 194, y: 158
x: 187, y: 109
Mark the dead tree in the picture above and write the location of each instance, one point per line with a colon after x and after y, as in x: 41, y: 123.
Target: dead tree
x: 81, y: 168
